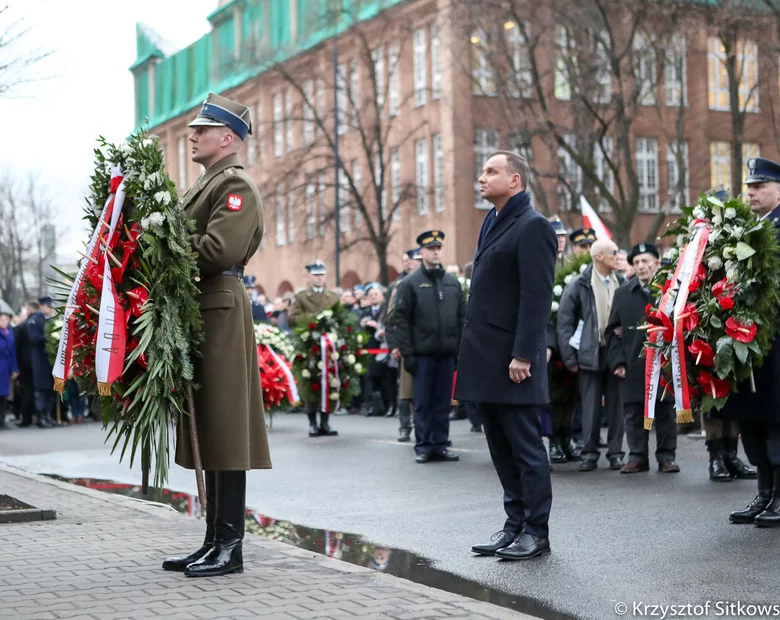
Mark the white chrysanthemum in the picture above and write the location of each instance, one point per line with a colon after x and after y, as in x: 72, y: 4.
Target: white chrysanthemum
x: 699, y: 213
x: 555, y: 306
x: 305, y: 374
x: 359, y: 339
x: 305, y: 336
x: 728, y: 252
x: 568, y: 279
x: 334, y: 356
x: 717, y: 220
x: 351, y: 359
x: 147, y: 142
x: 714, y: 235
x: 737, y: 232
x: 557, y: 290
x: 319, y: 365
x: 358, y: 368
x: 731, y: 274
x: 334, y: 395
x: 672, y: 254
x: 714, y: 263
x: 334, y: 383
x: 125, y: 148
x: 731, y: 213
x: 163, y: 198
x: 152, y: 220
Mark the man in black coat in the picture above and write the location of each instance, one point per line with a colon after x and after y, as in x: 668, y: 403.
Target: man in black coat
x: 427, y: 325
x: 43, y: 381
x: 24, y: 386
x: 759, y: 412
x: 503, y: 360
x: 626, y: 361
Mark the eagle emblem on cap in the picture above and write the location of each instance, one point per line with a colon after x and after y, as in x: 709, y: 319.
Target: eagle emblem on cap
x: 642, y: 248
x: 752, y: 165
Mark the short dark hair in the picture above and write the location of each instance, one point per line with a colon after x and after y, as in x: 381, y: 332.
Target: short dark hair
x: 516, y: 164
x: 33, y: 304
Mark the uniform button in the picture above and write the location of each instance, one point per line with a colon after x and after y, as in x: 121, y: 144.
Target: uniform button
x: 465, y: 324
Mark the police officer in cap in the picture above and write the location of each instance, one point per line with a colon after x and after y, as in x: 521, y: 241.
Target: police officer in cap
x: 625, y: 360
x: 314, y: 300
x: 561, y: 234
x: 428, y: 324
x: 582, y: 239
x: 228, y: 213
x: 258, y: 310
x: 759, y: 412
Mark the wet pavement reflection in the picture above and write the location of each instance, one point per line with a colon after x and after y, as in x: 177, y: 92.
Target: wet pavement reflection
x: 343, y: 546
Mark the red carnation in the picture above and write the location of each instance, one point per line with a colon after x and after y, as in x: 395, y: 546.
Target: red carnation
x: 343, y: 347
x: 703, y: 352
x: 299, y: 357
x: 315, y: 387
x: 349, y: 328
x: 691, y: 320
x: 345, y: 385
x: 312, y: 325
x: 727, y: 303
x: 648, y: 309
x: 743, y: 332
x: 697, y: 279
x: 717, y: 388
x: 315, y: 350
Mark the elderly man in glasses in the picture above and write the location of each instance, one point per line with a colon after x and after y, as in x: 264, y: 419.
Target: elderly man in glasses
x: 582, y: 318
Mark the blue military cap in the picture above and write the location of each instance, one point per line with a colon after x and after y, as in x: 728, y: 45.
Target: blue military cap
x: 761, y: 170
x: 372, y: 285
x: 46, y: 301
x: 430, y: 238
x: 317, y: 268
x: 218, y: 111
x: 249, y: 281
x: 558, y: 225
x: 583, y: 236
x: 414, y: 254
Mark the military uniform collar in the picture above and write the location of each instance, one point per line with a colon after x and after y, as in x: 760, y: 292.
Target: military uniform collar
x: 231, y: 161
x: 774, y: 215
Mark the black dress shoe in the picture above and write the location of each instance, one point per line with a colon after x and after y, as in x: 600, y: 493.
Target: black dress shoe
x: 499, y: 540
x: 556, y: 453
x: 327, y: 431
x: 314, y: 430
x: 444, y: 456
x: 404, y: 436
x: 588, y: 465
x: 616, y: 462
x: 754, y: 508
x: 771, y: 516
x: 571, y: 453
x: 180, y: 563
x: 422, y: 458
x: 476, y: 428
x: 525, y: 547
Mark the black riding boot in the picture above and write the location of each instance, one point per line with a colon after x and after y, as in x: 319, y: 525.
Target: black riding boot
x: 734, y: 464
x: 718, y: 471
x: 771, y: 516
x: 325, y: 428
x: 226, y: 555
x: 314, y: 430
x: 759, y: 504
x: 180, y: 563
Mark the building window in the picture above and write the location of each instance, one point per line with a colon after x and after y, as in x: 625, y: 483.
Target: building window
x: 308, y: 112
x: 420, y: 75
x: 321, y: 206
x: 564, y: 58
x: 421, y: 167
x: 647, y: 173
x: 378, y: 59
x: 675, y: 72
x: 718, y: 80
x: 392, y: 86
x: 182, y: 163
x: 288, y: 119
x: 290, y: 217
x: 311, y: 210
x: 677, y: 174
x: 343, y: 201
x: 603, y: 153
x: 341, y: 98
x: 521, y: 143
x: 482, y: 74
x: 395, y: 182
x: 603, y: 69
x: 356, y: 181
x: 644, y: 69
x: 320, y: 105
x: 749, y: 150
x: 278, y: 103
x: 570, y: 173
x: 354, y: 91
x: 438, y: 174
x: 520, y: 81
x: 485, y: 143
x: 281, y: 216
x: 435, y: 67
x: 720, y: 165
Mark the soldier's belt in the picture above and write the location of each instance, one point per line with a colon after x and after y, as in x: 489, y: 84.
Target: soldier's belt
x: 236, y: 270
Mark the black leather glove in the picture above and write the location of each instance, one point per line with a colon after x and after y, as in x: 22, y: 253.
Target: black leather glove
x: 410, y: 365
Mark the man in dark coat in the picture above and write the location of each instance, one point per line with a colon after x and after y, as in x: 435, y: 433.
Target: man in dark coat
x: 43, y: 381
x: 503, y: 362
x: 625, y: 360
x: 25, y: 390
x: 428, y: 324
x: 582, y: 320
x: 759, y: 412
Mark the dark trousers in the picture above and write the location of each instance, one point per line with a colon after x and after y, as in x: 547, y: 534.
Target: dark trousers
x: 432, y: 397
x: 472, y: 413
x: 761, y: 440
x: 405, y: 415
x: 594, y: 386
x: 637, y: 437
x: 26, y: 396
x: 514, y: 437
x: 45, y: 403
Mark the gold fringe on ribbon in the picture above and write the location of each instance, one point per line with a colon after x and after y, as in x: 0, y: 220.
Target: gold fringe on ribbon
x: 685, y: 416
x: 648, y: 424
x: 104, y: 389
x: 59, y: 385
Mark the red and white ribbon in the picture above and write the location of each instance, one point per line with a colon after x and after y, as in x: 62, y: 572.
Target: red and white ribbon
x: 328, y: 347
x: 292, y: 387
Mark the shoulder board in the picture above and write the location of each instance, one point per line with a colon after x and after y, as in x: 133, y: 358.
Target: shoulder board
x: 425, y: 285
x: 230, y: 171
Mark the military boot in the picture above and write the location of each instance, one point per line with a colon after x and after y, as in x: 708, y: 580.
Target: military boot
x: 180, y: 563
x: 325, y: 428
x: 771, y: 516
x: 314, y: 430
x: 718, y: 471
x: 226, y: 555
x: 734, y: 464
x: 760, y: 503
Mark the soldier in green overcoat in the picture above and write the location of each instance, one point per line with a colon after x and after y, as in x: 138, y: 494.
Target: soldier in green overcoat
x: 314, y: 300
x: 228, y: 213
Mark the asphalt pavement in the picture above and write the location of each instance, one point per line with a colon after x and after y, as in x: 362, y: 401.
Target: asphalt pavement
x: 650, y: 538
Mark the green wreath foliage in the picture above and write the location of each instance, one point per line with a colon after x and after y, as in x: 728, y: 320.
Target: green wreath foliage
x: 349, y: 339
x: 574, y: 265
x: 739, y: 280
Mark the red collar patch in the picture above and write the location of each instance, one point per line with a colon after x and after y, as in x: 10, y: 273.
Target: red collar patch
x: 234, y: 202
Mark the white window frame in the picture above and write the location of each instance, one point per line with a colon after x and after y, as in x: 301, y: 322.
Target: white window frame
x: 281, y: 216
x: 392, y: 83
x: 562, y: 87
x: 311, y: 210
x: 395, y: 181
x: 288, y: 119
x: 677, y: 200
x: 603, y: 69
x: 308, y: 112
x: 438, y: 174
x: 645, y: 71
x: 342, y: 98
x: 435, y: 63
x: 354, y: 92
x: 486, y: 141
x: 182, y: 147
x: 357, y: 182
x: 421, y: 174
x: 646, y: 153
x: 720, y: 164
x: 520, y: 82
x: 747, y: 57
x: 378, y: 60
x: 676, y: 72
x: 278, y: 109
x: 482, y: 74
x: 322, y: 216
x: 419, y: 49
x: 717, y: 78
